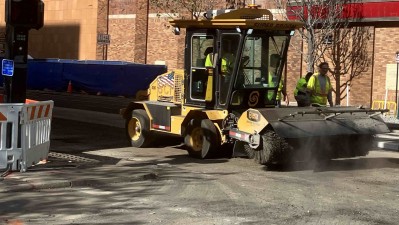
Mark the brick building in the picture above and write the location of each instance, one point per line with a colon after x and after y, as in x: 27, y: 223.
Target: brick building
x: 72, y: 30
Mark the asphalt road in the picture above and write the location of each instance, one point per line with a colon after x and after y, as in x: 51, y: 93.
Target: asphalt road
x: 360, y: 191
x: 216, y: 191
x: 224, y: 191
x: 69, y: 136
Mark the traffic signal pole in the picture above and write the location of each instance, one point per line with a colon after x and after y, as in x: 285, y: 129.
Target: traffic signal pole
x: 17, y: 51
x: 21, y: 16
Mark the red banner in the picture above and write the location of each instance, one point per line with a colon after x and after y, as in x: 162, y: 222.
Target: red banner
x: 366, y: 10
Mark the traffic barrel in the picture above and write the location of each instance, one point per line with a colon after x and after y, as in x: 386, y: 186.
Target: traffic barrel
x: 69, y: 89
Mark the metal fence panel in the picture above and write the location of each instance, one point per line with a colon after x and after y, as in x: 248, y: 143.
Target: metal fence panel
x: 25, y: 133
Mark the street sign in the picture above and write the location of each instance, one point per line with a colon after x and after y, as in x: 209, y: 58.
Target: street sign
x: 7, y: 67
x: 104, y: 39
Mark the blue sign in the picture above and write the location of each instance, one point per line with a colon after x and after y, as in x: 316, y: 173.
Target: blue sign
x: 7, y: 67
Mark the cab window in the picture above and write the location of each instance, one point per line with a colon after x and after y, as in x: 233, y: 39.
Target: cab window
x: 261, y: 61
x: 228, y: 56
x: 201, y: 48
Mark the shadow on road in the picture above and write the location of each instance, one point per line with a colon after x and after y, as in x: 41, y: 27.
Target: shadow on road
x: 69, y: 136
x: 75, y: 139
x: 337, y: 165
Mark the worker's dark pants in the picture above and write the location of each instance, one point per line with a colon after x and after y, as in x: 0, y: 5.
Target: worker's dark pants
x: 302, y: 99
x: 278, y: 103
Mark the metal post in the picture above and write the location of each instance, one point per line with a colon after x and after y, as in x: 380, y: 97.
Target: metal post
x: 347, y: 94
x: 396, y: 90
x: 16, y: 50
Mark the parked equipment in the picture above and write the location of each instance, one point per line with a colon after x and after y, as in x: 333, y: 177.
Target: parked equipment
x: 228, y: 97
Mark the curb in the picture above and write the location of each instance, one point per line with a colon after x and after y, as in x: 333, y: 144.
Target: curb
x: 29, y: 186
x: 388, y: 141
x: 388, y: 145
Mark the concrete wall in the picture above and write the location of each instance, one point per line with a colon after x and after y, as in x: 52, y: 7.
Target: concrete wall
x: 69, y: 30
x: 128, y: 23
x: 385, y: 48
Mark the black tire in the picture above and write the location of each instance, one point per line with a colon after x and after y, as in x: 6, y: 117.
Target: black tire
x: 211, y: 138
x: 201, y: 139
x: 272, y: 150
x: 191, y: 145
x: 251, y: 151
x: 138, y: 129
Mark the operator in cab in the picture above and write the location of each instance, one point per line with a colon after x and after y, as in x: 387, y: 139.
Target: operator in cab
x: 227, y: 58
x: 281, y: 92
x: 209, y: 57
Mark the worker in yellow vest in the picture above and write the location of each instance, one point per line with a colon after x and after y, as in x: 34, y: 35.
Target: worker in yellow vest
x: 227, y: 60
x: 301, y: 93
x: 208, y: 57
x: 281, y: 92
x: 274, y: 63
x: 320, y: 87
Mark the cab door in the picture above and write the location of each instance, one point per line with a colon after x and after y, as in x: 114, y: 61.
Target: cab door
x: 200, y: 44
x: 229, y: 48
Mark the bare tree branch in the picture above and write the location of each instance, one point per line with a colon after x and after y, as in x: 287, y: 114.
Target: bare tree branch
x: 174, y: 8
x: 235, y: 4
x: 329, y: 37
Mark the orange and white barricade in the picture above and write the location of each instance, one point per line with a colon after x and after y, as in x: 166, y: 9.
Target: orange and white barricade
x: 25, y: 133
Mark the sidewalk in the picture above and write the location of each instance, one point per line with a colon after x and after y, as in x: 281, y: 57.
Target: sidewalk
x: 389, y: 141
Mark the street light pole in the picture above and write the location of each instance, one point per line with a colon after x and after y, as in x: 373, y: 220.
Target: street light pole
x: 396, y: 90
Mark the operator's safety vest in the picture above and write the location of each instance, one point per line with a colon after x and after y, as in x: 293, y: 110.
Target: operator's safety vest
x: 279, y: 90
x: 272, y: 83
x: 317, y: 94
x: 300, y: 87
x: 209, y: 62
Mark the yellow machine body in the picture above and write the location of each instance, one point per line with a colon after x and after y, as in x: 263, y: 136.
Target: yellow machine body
x: 230, y: 100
